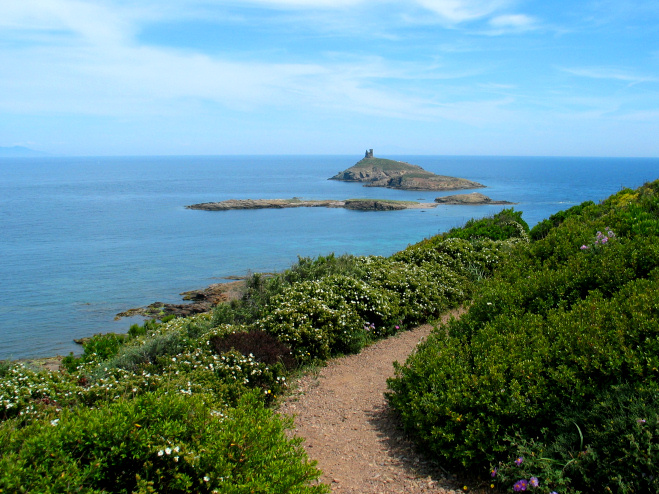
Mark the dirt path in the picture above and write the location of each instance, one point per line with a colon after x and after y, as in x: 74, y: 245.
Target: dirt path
x: 350, y: 430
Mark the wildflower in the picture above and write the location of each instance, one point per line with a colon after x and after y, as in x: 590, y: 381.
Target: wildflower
x: 493, y: 473
x: 534, y: 482
x: 519, y: 461
x: 641, y: 421
x: 584, y: 247
x: 207, y: 478
x: 397, y: 327
x: 161, y: 452
x: 54, y: 422
x: 520, y: 485
x: 168, y: 451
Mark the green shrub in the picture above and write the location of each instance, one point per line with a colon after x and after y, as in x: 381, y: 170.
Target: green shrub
x: 611, y: 446
x: 556, y: 360
x: 99, y: 347
x: 157, y: 443
x: 502, y: 226
x: 542, y: 229
x: 421, y: 292
x: 515, y: 372
x: 318, y: 319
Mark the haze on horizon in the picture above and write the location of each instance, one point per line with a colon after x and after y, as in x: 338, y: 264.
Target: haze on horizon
x: 463, y: 77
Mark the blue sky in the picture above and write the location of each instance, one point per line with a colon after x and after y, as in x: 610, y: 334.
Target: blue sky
x: 462, y: 77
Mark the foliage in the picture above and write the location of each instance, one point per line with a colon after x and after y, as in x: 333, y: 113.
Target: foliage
x: 157, y: 442
x: 556, y: 360
x: 540, y: 230
x: 502, y: 226
x: 98, y: 347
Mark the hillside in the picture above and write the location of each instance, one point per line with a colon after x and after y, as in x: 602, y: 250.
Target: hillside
x: 380, y: 172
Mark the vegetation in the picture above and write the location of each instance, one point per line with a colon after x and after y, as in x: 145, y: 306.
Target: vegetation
x: 549, y: 380
x: 390, y: 165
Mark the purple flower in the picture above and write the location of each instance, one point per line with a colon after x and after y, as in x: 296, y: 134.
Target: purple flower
x: 641, y: 421
x: 605, y: 240
x: 519, y: 461
x: 520, y: 485
x: 534, y: 482
x: 584, y: 247
x: 397, y: 327
x: 493, y: 473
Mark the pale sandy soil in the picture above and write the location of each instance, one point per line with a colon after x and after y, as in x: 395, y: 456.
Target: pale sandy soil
x: 349, y: 429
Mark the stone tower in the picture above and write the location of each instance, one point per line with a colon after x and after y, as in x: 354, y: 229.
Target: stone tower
x: 369, y: 153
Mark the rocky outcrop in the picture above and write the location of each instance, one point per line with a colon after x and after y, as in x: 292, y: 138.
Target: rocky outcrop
x: 375, y: 205
x: 378, y: 172
x: 200, y: 301
x: 473, y: 199
x: 265, y: 204
x: 357, y: 204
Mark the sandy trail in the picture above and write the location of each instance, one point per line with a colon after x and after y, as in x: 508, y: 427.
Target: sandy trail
x: 350, y: 430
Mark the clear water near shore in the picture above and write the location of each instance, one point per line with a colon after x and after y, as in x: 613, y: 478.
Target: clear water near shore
x: 82, y: 239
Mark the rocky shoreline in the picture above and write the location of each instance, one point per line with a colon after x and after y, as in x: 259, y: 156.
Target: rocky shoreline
x: 473, y: 199
x: 354, y: 204
x: 199, y: 301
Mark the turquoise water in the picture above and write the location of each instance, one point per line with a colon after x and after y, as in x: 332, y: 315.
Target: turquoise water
x: 82, y: 239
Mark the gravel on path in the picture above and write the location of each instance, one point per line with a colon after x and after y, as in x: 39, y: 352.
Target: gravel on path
x: 348, y: 427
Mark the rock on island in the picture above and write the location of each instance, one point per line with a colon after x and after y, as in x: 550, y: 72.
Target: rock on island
x: 473, y: 199
x: 379, y: 172
x: 356, y: 204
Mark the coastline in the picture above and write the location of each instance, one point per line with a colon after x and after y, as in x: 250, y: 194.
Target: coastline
x: 213, y: 294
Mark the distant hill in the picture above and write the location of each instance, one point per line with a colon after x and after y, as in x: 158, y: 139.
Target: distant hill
x: 18, y: 151
x: 379, y: 172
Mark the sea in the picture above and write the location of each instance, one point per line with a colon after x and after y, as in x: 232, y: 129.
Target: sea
x: 84, y: 238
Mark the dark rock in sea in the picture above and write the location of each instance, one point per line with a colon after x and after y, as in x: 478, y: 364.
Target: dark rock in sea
x: 201, y: 301
x: 357, y: 204
x: 473, y: 199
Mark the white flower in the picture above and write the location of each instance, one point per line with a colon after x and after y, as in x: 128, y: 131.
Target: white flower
x: 161, y: 452
x: 206, y: 478
x: 168, y: 451
x: 54, y: 422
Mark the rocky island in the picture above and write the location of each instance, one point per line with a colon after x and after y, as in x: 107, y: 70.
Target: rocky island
x: 379, y: 172
x: 295, y: 202
x: 473, y: 199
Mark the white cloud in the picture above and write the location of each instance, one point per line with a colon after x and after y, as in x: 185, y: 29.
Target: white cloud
x: 457, y: 11
x: 609, y: 73
x: 68, y: 18
x: 513, y: 21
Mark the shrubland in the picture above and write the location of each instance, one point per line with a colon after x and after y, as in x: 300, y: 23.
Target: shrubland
x: 550, y: 381
x: 186, y: 405
x: 550, y: 377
